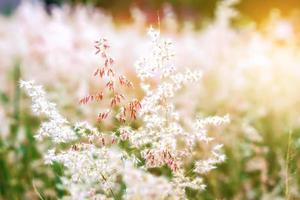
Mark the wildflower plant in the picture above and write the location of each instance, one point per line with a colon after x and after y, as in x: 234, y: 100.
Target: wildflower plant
x: 112, y: 87
x: 96, y: 166
x: 164, y: 138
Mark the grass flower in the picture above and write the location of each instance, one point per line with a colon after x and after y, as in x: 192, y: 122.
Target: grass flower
x: 93, y: 161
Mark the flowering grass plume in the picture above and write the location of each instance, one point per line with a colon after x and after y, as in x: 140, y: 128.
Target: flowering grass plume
x: 113, y: 86
x: 96, y: 166
x: 164, y: 138
x: 57, y: 128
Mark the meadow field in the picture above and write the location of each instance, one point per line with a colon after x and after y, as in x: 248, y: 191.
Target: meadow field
x: 149, y: 104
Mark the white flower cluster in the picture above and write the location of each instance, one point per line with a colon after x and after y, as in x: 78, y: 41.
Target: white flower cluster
x: 87, y: 166
x: 142, y: 185
x: 159, y: 58
x: 57, y: 128
x: 164, y: 138
x: 94, y: 170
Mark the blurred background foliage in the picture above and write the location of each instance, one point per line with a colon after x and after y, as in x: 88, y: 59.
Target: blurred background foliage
x: 196, y: 11
x: 266, y: 167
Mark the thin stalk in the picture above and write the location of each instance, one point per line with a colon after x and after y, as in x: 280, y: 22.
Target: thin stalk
x: 16, y: 99
x: 287, y: 189
x: 36, y: 191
